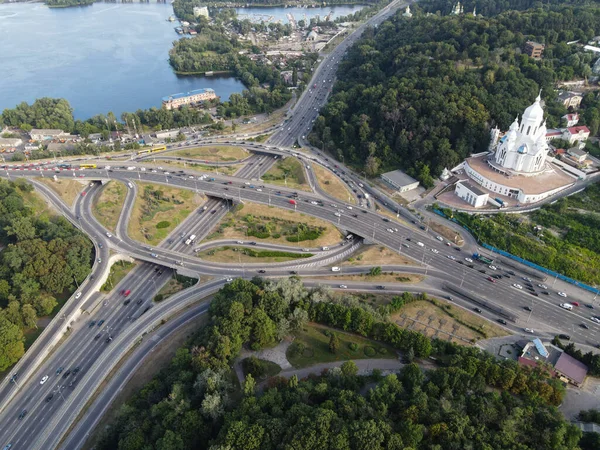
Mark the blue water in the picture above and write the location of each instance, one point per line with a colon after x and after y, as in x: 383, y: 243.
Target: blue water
x: 103, y: 57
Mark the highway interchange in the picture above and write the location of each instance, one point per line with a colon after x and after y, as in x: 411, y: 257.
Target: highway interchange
x: 53, y: 406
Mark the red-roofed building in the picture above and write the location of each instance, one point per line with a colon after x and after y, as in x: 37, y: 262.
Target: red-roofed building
x: 572, y: 370
x: 575, y: 134
x: 570, y: 120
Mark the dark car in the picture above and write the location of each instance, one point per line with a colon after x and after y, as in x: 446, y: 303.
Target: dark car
x: 381, y: 287
x: 511, y: 272
x: 139, y: 302
x: 477, y: 310
x: 527, y: 308
x: 100, y: 322
x: 108, y: 339
x: 66, y: 374
x: 502, y: 321
x: 127, y: 302
x: 457, y: 249
x: 588, y: 305
x: 23, y: 414
x: 98, y: 336
x: 262, y: 271
x: 481, y: 270
x: 59, y: 370
x: 506, y: 275
x: 50, y: 397
x: 92, y: 323
x: 293, y: 272
x: 535, y: 294
x: 76, y: 369
x: 566, y: 337
x: 385, y: 219
x: 584, y: 326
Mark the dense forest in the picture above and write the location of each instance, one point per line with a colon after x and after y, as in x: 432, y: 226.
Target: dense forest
x: 421, y: 94
x: 42, y: 258
x: 195, y: 404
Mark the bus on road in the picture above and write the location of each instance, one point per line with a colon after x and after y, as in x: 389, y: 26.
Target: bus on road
x: 87, y: 166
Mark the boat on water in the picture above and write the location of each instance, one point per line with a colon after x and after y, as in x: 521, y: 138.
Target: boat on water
x: 171, y: 19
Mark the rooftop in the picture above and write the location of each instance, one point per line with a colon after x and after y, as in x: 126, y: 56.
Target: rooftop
x: 187, y: 94
x: 551, y: 178
x: 566, y: 94
x: 475, y: 190
x: 577, y: 151
x: 399, y: 177
x: 579, y: 129
x: 571, y: 368
x: 47, y: 132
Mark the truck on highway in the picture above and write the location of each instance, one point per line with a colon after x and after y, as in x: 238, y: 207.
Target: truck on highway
x: 190, y: 239
x: 483, y: 259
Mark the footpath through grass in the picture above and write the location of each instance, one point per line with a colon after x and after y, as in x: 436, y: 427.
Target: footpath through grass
x: 311, y: 346
x: 158, y: 209
x: 108, y: 205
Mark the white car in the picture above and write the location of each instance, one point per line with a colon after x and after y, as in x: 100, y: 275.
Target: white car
x: 451, y: 257
x: 529, y: 330
x: 562, y: 294
x: 108, y: 234
x: 240, y: 242
x: 518, y: 286
x: 493, y: 267
x: 259, y: 190
x: 312, y: 202
x: 78, y: 295
x: 434, y: 250
x: 543, y: 286
x: 343, y: 286
x: 595, y: 319
x: 390, y: 230
x: 337, y: 214
x: 44, y: 379
x: 229, y: 279
x: 420, y: 244
x: 439, y: 238
x: 468, y: 260
x: 349, y: 207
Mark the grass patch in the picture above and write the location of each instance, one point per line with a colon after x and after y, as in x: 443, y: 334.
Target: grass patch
x: 441, y: 315
x: 38, y: 204
x: 377, y: 255
x: 159, y: 203
x: 270, y: 224
x: 229, y: 254
x: 201, y: 168
x: 118, y: 271
x: 67, y: 189
x: 108, y: 205
x: 287, y: 172
x: 176, y: 284
x: 389, y: 277
x: 332, y: 184
x: 311, y: 346
x: 260, y: 368
x: 31, y: 335
x: 221, y: 153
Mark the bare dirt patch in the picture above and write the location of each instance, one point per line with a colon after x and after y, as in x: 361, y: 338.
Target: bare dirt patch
x: 377, y: 255
x: 68, y: 190
x: 332, y: 184
x: 446, y: 232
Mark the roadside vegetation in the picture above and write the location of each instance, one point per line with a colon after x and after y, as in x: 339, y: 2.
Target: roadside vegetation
x: 176, y: 284
x: 213, y: 412
x: 564, y: 237
x: 158, y: 210
x: 287, y: 172
x: 221, y: 153
x: 200, y: 167
x: 118, y: 271
x: 377, y: 255
x: 108, y: 206
x: 67, y: 189
x: 42, y: 261
x: 269, y: 224
x: 332, y: 185
x: 232, y: 254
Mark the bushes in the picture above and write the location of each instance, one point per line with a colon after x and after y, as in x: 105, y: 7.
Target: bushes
x: 369, y: 351
x: 163, y: 224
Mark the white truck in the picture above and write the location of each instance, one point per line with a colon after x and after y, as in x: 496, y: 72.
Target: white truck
x: 335, y: 269
x: 190, y: 239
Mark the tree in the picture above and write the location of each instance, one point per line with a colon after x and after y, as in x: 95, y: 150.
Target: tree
x: 374, y: 271
x: 349, y: 369
x: 11, y: 343
x: 293, y: 381
x: 334, y: 343
x: 249, y: 385
x: 372, y: 165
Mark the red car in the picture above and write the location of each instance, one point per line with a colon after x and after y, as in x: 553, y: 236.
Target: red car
x: 491, y: 279
x: 126, y: 292
x: 575, y: 303
x: 292, y: 202
x: 83, y: 194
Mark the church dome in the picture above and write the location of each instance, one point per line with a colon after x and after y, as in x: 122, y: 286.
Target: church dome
x: 534, y: 113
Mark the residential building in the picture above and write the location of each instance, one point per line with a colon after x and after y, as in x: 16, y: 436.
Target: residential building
x: 407, y: 12
x: 400, y: 181
x: 188, y: 98
x: 577, y: 154
x: 570, y: 120
x: 201, y: 11
x: 471, y: 194
x: 533, y: 49
x: 46, y: 135
x: 570, y: 99
x: 576, y: 134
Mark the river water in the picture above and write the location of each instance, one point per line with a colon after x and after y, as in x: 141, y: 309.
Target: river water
x: 106, y: 56
x: 103, y: 57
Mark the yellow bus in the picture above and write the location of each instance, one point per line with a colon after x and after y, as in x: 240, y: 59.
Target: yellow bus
x: 87, y: 166
x: 159, y: 148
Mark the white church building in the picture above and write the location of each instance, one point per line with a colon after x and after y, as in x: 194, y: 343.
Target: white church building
x: 516, y: 167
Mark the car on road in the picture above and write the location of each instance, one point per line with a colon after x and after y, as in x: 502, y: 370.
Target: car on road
x: 139, y: 302
x: 477, y: 310
x: 92, y: 323
x: 44, y: 379
x: 584, y: 326
x: 78, y: 295
x: 127, y: 302
x: 543, y: 286
x: 50, y: 397
x: 439, y: 238
x: 451, y: 257
x: 380, y: 287
x: 66, y: 374
x: 229, y: 280
x: 262, y: 271
x: 100, y: 322
x: 98, y: 336
x: 59, y: 370
x: 108, y: 339
x: 589, y: 305
x: 434, y: 250
x: 126, y: 292
x: 566, y: 337
x: 108, y: 235
x: 420, y: 244
x: 493, y: 267
x: 469, y: 260
x: 566, y: 306
x: 527, y: 308
x: 491, y: 279
x: 526, y: 279
x: 8, y: 446
x: 529, y: 330
x: 595, y: 319
x: 343, y: 286
x: 518, y: 286
x: 23, y: 414
x: 502, y: 321
x: 562, y: 294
